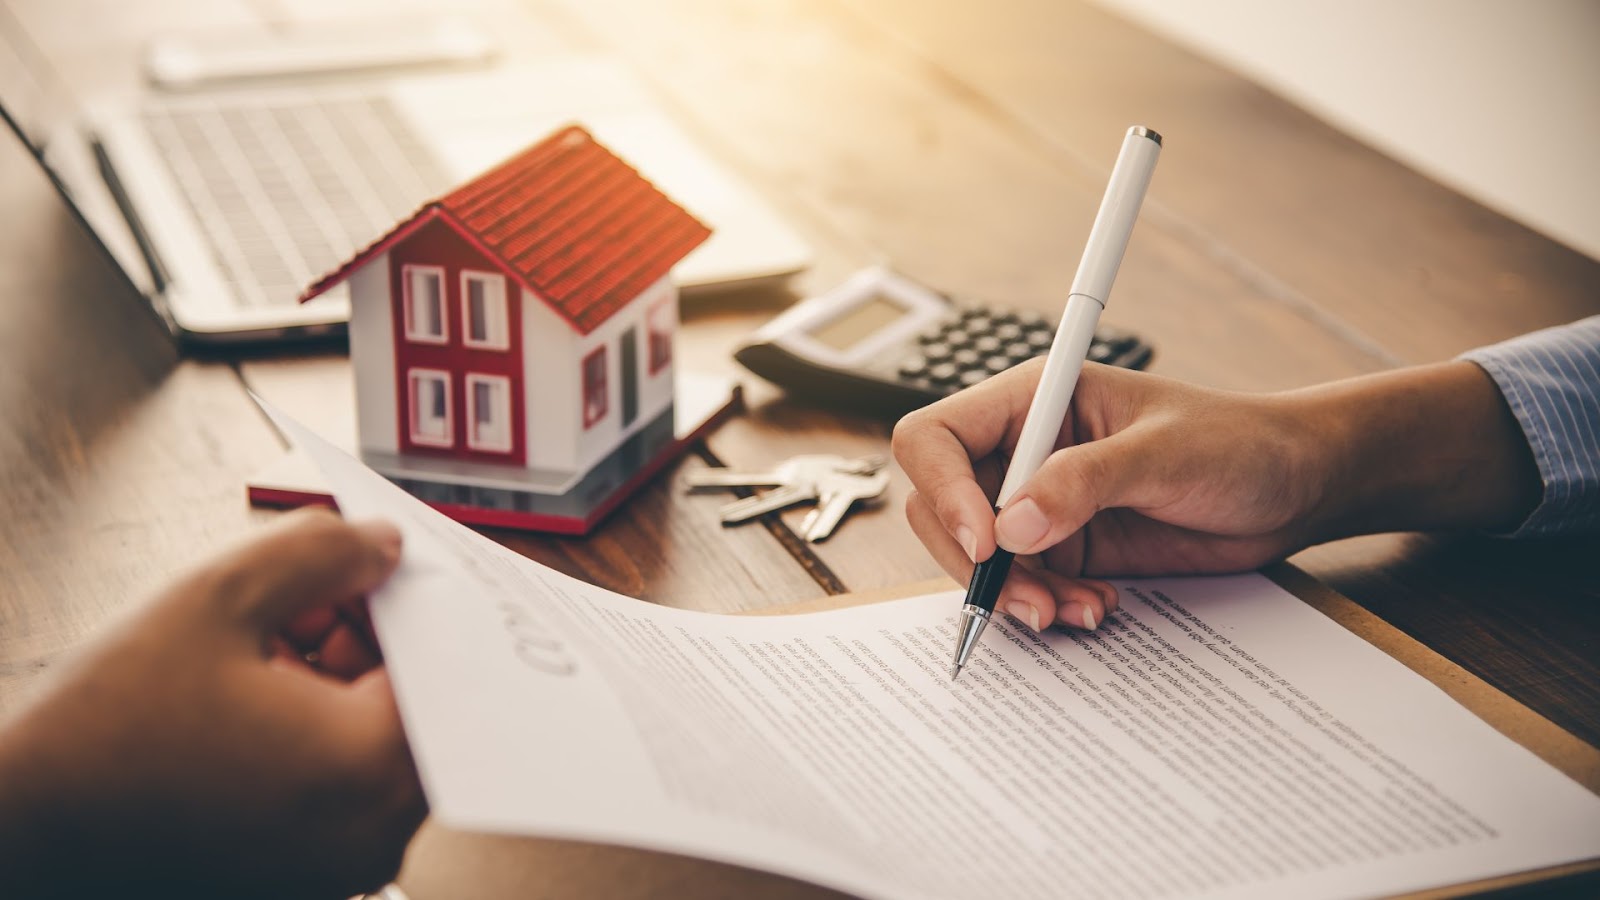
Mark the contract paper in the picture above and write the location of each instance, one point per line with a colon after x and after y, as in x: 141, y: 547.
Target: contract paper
x: 1214, y: 738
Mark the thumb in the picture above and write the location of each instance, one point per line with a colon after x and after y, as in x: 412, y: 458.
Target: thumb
x: 310, y: 558
x: 1073, y: 484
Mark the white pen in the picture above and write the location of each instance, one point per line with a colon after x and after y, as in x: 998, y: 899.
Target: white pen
x: 1102, y: 255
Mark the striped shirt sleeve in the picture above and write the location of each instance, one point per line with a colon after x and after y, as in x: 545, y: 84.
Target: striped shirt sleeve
x: 1551, y: 380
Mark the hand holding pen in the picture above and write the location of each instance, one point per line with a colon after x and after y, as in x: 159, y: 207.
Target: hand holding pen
x: 1145, y: 475
x: 1102, y: 255
x: 1108, y: 239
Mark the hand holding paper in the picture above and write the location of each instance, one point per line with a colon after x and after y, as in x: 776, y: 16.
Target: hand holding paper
x: 192, y: 751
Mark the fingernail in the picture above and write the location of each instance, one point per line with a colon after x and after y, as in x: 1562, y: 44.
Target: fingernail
x: 968, y: 541
x: 1016, y: 609
x: 1020, y: 526
x: 1079, y: 613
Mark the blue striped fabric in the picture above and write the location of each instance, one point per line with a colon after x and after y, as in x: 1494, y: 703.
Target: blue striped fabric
x: 1551, y: 379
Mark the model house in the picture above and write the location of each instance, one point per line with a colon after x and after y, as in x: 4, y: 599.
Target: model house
x: 522, y: 322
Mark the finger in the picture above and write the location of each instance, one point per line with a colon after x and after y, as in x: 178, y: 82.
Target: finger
x: 309, y: 628
x: 937, y: 444
x: 310, y: 559
x: 942, y: 546
x: 358, y: 616
x: 1112, y: 595
x: 1027, y: 598
x: 1073, y: 485
x: 1080, y: 603
x: 345, y: 655
x: 1023, y: 596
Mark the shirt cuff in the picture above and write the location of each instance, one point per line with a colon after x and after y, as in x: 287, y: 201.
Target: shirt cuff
x: 1551, y: 381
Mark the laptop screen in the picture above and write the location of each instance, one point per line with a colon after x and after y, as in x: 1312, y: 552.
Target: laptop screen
x: 40, y: 109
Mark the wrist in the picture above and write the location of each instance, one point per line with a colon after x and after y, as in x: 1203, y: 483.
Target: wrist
x: 1427, y: 448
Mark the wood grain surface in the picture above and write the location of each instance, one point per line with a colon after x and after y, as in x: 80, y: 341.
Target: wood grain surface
x: 966, y: 144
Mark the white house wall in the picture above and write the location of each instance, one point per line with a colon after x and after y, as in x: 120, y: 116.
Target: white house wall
x: 551, y: 386
x: 552, y: 360
x: 655, y: 392
x: 372, y: 357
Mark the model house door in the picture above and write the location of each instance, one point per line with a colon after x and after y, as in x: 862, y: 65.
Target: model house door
x: 630, y: 376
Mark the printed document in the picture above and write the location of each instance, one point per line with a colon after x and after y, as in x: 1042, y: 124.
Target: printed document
x: 1216, y: 737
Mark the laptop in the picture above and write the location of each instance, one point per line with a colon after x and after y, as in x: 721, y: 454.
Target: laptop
x: 223, y: 204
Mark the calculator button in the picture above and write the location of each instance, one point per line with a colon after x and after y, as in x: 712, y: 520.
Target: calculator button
x: 987, y: 344
x: 936, y: 352
x: 912, y: 366
x: 932, y: 336
x: 1003, y: 316
x: 997, y: 364
x: 1019, y: 351
x: 943, y: 373
x: 1099, y: 352
x: 972, y: 376
x: 966, y: 358
x: 957, y: 337
x: 1040, y: 339
x: 978, y: 324
x: 1008, y: 331
x: 1032, y: 320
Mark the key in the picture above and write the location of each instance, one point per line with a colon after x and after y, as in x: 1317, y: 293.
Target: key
x: 726, y: 478
x: 791, y: 471
x: 800, y: 475
x: 772, y: 501
x: 864, y: 465
x: 836, y: 496
x: 794, y: 481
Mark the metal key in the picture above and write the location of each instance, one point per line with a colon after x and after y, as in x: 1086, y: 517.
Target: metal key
x: 789, y: 472
x: 800, y: 475
x: 794, y: 481
x: 772, y: 501
x: 836, y: 495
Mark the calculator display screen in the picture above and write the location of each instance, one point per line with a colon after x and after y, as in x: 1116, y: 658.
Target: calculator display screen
x: 848, y: 328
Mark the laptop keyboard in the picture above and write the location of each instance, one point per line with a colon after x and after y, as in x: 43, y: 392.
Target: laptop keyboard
x: 286, y: 191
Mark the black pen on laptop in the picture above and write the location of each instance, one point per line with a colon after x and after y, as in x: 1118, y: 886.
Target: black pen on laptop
x: 1102, y: 254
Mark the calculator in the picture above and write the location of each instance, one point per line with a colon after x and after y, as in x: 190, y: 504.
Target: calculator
x: 881, y: 342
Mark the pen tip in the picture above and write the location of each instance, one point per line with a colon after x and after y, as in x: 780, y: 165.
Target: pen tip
x: 954, y: 671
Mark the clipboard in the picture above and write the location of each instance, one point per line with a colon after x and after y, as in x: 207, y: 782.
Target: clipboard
x: 445, y: 863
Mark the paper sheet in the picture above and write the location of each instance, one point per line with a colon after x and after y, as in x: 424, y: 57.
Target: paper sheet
x: 1217, y: 737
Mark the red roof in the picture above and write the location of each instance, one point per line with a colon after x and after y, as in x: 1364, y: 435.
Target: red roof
x: 566, y: 217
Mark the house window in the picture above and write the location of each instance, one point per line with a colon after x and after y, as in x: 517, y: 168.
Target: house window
x: 483, y: 311
x: 489, y: 413
x: 594, y: 386
x: 424, y: 304
x: 430, y: 407
x: 658, y: 323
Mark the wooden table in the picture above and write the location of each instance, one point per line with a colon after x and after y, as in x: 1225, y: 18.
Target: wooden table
x: 966, y: 143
